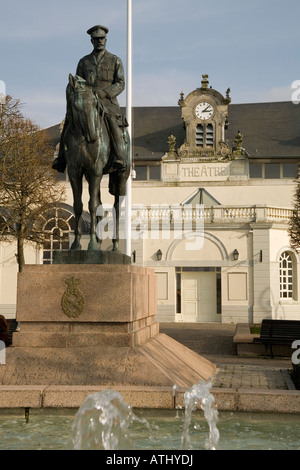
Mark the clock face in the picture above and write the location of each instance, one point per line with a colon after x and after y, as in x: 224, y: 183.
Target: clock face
x: 204, y: 111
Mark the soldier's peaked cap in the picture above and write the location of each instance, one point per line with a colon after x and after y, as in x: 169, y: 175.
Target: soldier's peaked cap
x: 96, y: 30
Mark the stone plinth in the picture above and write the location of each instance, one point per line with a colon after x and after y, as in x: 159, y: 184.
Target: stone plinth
x: 94, y: 325
x: 161, y: 362
x: 85, y: 305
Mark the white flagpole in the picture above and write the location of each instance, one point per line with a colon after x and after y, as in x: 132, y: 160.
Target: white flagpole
x: 129, y: 119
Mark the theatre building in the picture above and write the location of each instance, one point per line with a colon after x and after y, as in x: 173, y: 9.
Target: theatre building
x: 212, y: 190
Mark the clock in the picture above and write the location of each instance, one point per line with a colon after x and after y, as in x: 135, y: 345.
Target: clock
x: 204, y: 111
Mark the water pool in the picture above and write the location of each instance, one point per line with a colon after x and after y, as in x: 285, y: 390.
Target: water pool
x: 51, y: 430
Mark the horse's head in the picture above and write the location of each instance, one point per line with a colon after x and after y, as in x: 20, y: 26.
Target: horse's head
x: 83, y: 104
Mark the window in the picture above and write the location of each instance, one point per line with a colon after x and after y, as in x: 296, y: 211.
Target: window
x: 205, y: 134
x: 286, y: 275
x: 255, y: 170
x: 289, y: 170
x: 141, y: 173
x: 154, y: 172
x: 199, y: 135
x: 57, y: 227
x: 273, y: 170
x: 145, y: 173
x: 209, y: 135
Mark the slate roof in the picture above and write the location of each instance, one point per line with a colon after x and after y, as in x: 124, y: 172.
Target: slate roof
x: 270, y: 130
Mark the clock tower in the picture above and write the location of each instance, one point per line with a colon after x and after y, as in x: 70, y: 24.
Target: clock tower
x: 205, y: 155
x: 204, y: 112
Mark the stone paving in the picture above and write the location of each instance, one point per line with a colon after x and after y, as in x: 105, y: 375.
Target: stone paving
x: 215, y: 342
x: 258, y: 377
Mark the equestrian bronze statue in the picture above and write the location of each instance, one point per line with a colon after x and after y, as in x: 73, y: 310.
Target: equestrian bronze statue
x: 94, y: 139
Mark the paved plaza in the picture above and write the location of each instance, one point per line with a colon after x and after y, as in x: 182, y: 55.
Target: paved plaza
x: 215, y: 342
x: 257, y: 377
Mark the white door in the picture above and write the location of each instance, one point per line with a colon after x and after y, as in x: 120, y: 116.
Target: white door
x: 199, y: 297
x: 189, y: 296
x: 207, y: 297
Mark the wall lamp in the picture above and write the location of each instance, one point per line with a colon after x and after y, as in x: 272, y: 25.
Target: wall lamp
x: 159, y: 255
x: 133, y: 256
x: 235, y: 255
x: 260, y: 256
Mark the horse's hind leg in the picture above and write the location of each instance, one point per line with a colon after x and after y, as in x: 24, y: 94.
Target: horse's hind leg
x: 116, y: 225
x: 76, y: 184
x: 94, y: 202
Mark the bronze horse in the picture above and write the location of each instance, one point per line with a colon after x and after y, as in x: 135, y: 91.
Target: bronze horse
x: 89, y: 153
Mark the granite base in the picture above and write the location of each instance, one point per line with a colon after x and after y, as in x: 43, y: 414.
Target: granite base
x: 94, y: 324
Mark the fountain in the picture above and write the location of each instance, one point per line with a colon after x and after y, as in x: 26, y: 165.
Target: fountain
x: 104, y: 419
x: 200, y: 393
x: 102, y: 423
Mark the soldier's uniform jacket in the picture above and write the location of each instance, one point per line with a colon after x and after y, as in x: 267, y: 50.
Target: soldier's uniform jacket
x: 104, y: 72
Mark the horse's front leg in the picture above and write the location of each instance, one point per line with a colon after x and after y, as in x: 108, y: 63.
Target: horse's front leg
x: 116, y: 225
x: 94, y: 202
x: 76, y: 184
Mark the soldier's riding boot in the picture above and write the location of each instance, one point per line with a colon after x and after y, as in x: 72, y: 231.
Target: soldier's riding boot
x: 119, y: 163
x: 59, y: 164
x: 117, y: 143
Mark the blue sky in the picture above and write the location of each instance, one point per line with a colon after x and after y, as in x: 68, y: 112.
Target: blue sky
x: 250, y: 46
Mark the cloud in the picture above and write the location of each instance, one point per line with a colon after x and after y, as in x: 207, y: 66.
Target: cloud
x: 37, y: 19
x: 280, y: 93
x: 264, y: 95
x: 170, y: 12
x: 48, y: 108
x: 162, y: 89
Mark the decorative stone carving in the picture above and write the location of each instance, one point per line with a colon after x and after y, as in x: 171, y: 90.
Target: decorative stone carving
x: 72, y: 301
x: 172, y: 143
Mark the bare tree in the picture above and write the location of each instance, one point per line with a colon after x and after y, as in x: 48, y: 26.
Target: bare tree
x: 27, y: 182
x: 294, y: 222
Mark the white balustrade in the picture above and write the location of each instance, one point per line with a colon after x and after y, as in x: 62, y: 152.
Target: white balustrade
x: 214, y: 214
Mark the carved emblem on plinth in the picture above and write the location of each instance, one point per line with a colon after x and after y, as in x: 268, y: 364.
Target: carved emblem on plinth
x: 72, y: 301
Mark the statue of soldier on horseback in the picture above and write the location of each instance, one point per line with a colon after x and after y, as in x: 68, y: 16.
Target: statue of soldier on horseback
x: 94, y: 139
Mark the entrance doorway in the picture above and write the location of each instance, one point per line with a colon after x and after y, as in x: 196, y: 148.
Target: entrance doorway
x: 198, y: 295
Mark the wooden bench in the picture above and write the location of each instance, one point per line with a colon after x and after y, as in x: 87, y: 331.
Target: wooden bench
x: 278, y: 332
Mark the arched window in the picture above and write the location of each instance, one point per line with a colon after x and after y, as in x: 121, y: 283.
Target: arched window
x: 205, y: 135
x: 57, y: 227
x: 286, y: 276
